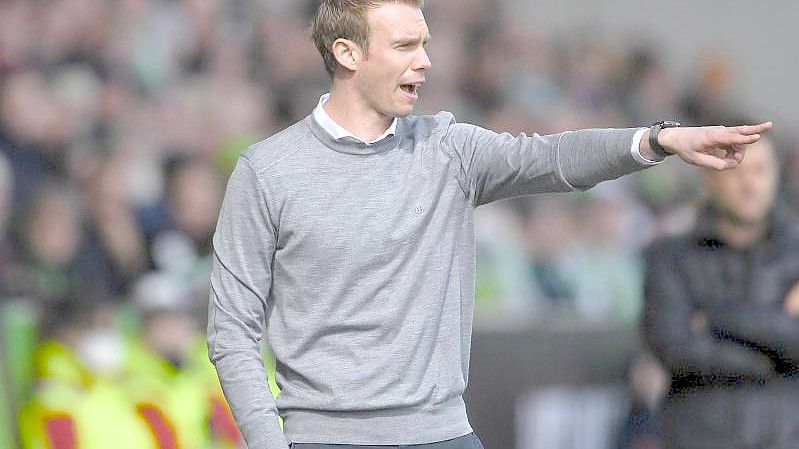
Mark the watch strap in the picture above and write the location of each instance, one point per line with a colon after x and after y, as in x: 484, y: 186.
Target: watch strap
x: 654, y: 130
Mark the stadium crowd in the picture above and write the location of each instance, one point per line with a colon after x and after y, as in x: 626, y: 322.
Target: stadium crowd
x: 120, y: 120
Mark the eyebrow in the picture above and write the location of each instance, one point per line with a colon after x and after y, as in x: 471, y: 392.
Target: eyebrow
x: 412, y: 40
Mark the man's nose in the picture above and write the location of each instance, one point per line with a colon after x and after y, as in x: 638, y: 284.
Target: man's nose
x: 422, y: 62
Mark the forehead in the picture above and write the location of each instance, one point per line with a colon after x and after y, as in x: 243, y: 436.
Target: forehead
x: 759, y: 156
x: 395, y: 21
x: 760, y: 153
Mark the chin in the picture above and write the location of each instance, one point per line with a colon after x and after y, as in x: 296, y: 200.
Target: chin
x: 751, y: 218
x: 402, y: 108
x: 405, y: 113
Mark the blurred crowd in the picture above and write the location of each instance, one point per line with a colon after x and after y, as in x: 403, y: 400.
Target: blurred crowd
x: 120, y: 120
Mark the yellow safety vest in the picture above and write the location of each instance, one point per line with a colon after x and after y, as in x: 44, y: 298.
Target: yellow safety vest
x: 71, y: 410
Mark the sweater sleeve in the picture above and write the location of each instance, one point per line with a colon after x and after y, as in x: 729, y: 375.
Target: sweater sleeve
x: 241, y: 278
x: 494, y: 166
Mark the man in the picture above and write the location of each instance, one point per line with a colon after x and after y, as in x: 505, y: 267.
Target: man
x: 350, y: 234
x: 722, y: 303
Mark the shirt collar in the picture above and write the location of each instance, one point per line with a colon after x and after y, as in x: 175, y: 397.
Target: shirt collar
x: 337, y: 131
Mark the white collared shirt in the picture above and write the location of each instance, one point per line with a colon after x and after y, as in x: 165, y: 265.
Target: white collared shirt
x: 337, y: 131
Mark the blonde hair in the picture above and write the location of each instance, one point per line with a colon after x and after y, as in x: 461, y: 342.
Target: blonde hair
x: 345, y: 19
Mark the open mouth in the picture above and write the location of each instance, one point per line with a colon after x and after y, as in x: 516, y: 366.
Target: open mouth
x: 410, y: 89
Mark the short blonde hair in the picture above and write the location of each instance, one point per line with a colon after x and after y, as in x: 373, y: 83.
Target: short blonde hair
x: 345, y: 19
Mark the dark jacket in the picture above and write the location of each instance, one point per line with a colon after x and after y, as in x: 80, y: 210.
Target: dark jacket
x: 734, y: 379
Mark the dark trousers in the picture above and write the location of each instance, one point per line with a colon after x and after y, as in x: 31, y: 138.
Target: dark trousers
x: 469, y: 441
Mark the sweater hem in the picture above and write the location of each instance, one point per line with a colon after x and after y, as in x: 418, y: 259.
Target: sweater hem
x: 391, y: 427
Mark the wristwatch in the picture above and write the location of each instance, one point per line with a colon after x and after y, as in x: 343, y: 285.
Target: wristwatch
x: 653, y: 136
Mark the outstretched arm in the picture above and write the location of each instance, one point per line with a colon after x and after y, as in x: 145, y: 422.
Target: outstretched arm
x: 716, y: 147
x: 492, y: 166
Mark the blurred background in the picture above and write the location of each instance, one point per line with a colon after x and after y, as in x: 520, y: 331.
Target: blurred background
x: 121, y: 119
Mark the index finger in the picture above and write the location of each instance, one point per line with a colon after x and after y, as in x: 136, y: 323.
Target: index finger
x: 724, y: 137
x: 752, y: 129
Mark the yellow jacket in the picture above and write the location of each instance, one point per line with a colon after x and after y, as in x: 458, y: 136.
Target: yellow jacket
x: 72, y: 410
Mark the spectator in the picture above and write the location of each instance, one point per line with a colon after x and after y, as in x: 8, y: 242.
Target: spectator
x: 648, y: 383
x: 51, y: 262
x: 550, y: 240
x: 31, y: 133
x: 722, y: 303
x: 607, y: 270
x: 76, y: 401
x: 182, y: 247
x: 167, y: 376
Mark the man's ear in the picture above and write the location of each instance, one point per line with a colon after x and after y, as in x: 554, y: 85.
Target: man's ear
x: 347, y: 53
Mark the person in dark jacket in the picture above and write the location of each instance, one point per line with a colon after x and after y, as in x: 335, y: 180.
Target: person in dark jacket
x: 722, y: 314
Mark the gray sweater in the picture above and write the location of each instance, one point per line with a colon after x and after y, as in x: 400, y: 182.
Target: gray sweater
x: 356, y: 262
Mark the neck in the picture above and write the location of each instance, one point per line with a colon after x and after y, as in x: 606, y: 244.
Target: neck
x: 741, y: 235
x: 347, y: 109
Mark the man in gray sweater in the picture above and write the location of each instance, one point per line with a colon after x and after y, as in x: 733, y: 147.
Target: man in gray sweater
x: 347, y: 240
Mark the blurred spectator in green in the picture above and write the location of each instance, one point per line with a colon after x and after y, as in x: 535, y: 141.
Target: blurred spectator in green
x: 502, y: 294
x: 551, y: 237
x: 607, y: 269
